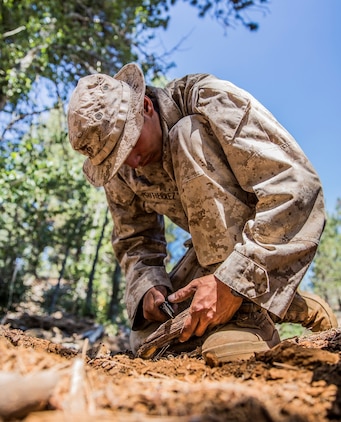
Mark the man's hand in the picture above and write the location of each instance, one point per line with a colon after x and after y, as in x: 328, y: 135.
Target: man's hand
x: 151, y: 302
x: 212, y: 304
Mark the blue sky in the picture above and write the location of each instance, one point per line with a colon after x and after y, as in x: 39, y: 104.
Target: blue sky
x: 292, y: 64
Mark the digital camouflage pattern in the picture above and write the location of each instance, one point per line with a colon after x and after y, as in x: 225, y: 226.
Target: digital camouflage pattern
x: 232, y: 177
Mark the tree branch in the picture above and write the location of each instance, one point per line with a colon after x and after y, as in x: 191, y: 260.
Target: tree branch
x: 14, y: 31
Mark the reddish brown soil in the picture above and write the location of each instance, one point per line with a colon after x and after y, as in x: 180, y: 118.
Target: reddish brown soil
x: 40, y: 380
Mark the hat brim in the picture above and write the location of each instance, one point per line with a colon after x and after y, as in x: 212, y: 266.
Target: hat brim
x: 99, y: 175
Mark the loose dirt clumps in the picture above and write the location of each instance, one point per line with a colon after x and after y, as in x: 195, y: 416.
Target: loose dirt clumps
x: 41, y: 381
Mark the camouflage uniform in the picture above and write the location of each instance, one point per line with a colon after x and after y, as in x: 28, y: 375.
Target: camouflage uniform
x: 232, y: 177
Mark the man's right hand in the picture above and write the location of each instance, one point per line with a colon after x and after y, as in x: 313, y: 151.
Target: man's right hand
x: 152, y: 300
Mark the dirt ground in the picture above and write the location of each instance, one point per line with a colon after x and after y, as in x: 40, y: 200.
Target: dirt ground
x: 60, y: 369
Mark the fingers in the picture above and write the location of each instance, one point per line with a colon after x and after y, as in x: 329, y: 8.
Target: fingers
x: 212, y: 305
x: 195, y: 325
x: 188, y: 329
x: 151, y: 302
x: 184, y: 293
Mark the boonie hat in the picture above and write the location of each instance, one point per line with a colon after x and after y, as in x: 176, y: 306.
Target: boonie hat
x: 105, y: 119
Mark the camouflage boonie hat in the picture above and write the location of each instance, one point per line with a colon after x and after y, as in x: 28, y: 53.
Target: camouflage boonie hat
x: 105, y: 119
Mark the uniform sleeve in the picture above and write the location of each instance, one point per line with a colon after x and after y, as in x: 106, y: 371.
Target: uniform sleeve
x: 280, y: 240
x: 139, y: 245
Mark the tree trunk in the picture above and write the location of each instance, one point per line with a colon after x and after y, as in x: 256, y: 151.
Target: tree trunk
x: 90, y: 289
x: 113, y: 310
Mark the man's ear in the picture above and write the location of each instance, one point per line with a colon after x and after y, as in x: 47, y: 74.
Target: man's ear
x: 148, y: 105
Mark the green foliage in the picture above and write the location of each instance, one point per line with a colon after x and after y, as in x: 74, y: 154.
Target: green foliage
x: 61, y: 41
x: 51, y: 219
x: 326, y: 269
x: 229, y: 12
x: 290, y: 330
x: 48, y: 210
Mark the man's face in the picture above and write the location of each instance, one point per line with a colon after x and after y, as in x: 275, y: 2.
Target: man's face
x: 148, y: 148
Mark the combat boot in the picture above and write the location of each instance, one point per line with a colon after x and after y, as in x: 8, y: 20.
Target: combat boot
x: 311, y: 311
x: 250, y: 331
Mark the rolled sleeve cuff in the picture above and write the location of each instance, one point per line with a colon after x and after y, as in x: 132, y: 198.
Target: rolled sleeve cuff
x: 244, y: 276
x: 252, y: 281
